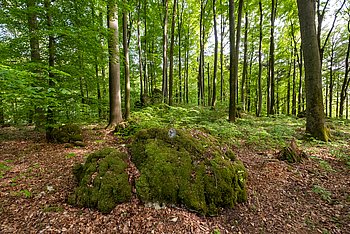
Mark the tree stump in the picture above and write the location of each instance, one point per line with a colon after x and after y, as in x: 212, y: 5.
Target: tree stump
x: 291, y: 153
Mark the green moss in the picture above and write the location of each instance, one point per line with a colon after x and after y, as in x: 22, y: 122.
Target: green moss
x: 102, y: 181
x: 67, y: 133
x: 188, y: 170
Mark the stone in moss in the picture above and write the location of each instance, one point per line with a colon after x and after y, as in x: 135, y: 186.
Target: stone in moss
x: 68, y: 133
x: 102, y: 181
x: 188, y: 170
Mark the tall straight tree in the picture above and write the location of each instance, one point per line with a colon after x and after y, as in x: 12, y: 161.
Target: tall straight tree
x: 50, y: 112
x: 165, y: 47
x: 171, y: 55
x: 238, y: 41
x: 346, y: 81
x: 259, y: 106
x: 315, y: 122
x: 232, y: 103
x: 271, y: 74
x: 115, y: 110
x: 215, y: 55
x: 126, y: 63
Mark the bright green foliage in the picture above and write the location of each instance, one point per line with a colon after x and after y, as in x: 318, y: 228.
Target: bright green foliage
x: 324, y: 193
x: 187, y: 169
x: 3, y: 169
x: 102, y: 181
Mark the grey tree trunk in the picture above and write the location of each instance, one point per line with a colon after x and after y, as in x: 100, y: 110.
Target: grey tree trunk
x: 115, y: 110
x: 232, y: 103
x: 315, y: 122
x: 171, y: 55
x: 126, y: 64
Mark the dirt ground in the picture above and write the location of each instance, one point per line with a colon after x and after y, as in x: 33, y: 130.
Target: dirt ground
x: 36, y: 177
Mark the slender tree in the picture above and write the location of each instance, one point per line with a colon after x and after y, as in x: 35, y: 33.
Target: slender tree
x: 232, y: 104
x: 259, y: 107
x: 171, y: 55
x: 126, y: 63
x: 115, y: 110
x: 165, y: 47
x: 215, y: 55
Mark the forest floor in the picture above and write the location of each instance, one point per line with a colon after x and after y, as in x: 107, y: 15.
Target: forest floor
x: 36, y: 177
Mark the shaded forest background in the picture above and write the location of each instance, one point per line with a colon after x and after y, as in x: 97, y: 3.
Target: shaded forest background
x: 54, y: 57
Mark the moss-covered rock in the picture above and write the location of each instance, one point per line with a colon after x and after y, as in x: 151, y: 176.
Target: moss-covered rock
x: 102, y: 181
x: 68, y: 133
x: 187, y: 168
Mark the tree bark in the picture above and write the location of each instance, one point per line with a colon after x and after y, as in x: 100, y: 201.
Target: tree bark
x: 115, y: 110
x: 171, y: 55
x: 51, y: 48
x: 139, y: 50
x: 215, y: 55
x: 346, y: 81
x: 315, y: 122
x: 271, y: 74
x: 126, y: 64
x: 245, y: 61
x: 232, y: 104
x: 259, y: 107
x: 165, y: 47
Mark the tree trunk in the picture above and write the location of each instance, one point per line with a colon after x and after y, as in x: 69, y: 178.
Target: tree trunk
x: 259, y: 107
x: 171, y: 55
x: 222, y: 85
x: 165, y: 47
x: 50, y: 112
x: 271, y: 76
x: 126, y: 64
x: 115, y: 110
x: 139, y: 50
x: 215, y: 55
x: 346, y: 81
x: 331, y: 82
x: 245, y: 62
x: 232, y: 104
x: 315, y: 123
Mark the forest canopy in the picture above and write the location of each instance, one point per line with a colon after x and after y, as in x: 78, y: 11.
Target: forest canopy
x: 56, y: 57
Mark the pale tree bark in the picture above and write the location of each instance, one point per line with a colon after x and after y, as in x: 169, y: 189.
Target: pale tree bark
x: 215, y: 55
x: 259, y: 107
x: 171, y: 55
x: 238, y: 41
x: 115, y: 110
x: 126, y: 64
x: 315, y: 121
x: 139, y: 49
x: 165, y: 47
x: 245, y: 62
x: 232, y: 103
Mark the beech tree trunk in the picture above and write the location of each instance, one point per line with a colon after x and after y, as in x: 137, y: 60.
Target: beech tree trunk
x: 139, y: 50
x: 115, y: 110
x: 315, y: 122
x: 346, y: 82
x: 215, y: 55
x: 165, y: 47
x: 126, y: 64
x: 171, y: 55
x: 50, y: 112
x: 232, y: 104
x: 259, y: 107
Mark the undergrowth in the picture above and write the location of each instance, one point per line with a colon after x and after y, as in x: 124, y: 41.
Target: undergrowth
x: 260, y: 133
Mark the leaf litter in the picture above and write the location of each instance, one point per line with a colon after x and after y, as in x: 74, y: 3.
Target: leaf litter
x: 281, y: 196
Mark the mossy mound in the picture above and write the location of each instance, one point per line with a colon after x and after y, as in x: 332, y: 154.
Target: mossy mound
x: 102, y: 181
x: 178, y: 168
x: 68, y: 133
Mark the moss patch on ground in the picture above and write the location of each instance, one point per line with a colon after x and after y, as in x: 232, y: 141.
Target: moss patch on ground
x: 102, y: 181
x: 68, y: 133
x: 187, y: 168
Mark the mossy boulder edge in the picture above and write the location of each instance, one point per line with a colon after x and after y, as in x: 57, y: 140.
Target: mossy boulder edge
x: 189, y: 169
x: 102, y: 181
